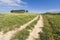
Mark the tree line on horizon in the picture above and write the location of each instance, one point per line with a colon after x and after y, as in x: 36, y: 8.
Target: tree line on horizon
x: 19, y: 11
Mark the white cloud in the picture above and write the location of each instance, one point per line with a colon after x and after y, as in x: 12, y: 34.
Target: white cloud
x: 12, y: 2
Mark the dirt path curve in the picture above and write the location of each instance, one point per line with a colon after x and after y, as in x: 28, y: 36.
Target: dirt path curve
x: 34, y: 33
x: 8, y: 35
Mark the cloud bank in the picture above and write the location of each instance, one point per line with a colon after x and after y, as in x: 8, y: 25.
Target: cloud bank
x: 12, y: 2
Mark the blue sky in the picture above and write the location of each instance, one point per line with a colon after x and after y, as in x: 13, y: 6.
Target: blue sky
x: 31, y: 5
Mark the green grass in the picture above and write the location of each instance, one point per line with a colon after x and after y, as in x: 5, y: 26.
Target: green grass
x: 51, y: 29
x: 23, y: 35
x: 11, y: 21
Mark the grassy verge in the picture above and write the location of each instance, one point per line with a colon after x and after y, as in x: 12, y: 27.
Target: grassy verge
x: 11, y: 21
x: 51, y: 29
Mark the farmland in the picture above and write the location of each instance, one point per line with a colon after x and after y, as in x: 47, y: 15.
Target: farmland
x: 9, y: 22
x: 49, y: 26
x: 51, y: 29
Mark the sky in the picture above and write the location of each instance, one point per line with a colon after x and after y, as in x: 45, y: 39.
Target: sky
x: 36, y: 6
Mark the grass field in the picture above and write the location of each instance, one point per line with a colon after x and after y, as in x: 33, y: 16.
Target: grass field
x: 12, y: 21
x: 51, y: 29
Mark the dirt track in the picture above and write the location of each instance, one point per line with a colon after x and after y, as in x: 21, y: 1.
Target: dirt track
x: 34, y: 33
x: 8, y: 35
